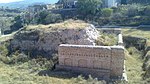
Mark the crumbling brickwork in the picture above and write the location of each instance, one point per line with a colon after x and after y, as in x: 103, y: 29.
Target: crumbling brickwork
x: 106, y: 61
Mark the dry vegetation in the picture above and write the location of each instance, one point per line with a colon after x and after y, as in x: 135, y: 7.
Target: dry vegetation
x: 69, y: 24
x: 24, y: 73
x: 21, y: 74
x: 17, y: 69
x: 141, y: 32
x: 107, y: 39
x: 134, y: 67
x: 134, y: 61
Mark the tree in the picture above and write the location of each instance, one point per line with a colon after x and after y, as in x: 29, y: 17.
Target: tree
x: 88, y: 7
x: 147, y: 11
x: 133, y: 10
x: 42, y: 16
x: 123, y: 1
x: 139, y: 1
x: 64, y: 3
x: 18, y: 23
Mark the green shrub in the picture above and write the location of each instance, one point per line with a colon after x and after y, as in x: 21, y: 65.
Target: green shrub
x: 40, y: 64
x: 3, y: 53
x: 133, y: 51
x: 52, y: 18
x: 18, y: 58
x: 3, y: 49
x: 132, y: 10
x: 107, y: 12
x: 4, y: 59
x: 106, y: 40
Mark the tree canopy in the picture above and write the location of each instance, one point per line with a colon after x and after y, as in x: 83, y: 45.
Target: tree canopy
x: 87, y: 7
x: 139, y: 1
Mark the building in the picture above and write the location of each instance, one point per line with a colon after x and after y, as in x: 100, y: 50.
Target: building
x: 106, y: 3
x: 103, y: 62
x: 36, y: 8
x: 111, y: 3
x: 68, y: 3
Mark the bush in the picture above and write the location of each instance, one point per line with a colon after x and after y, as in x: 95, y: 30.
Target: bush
x: 88, y: 7
x: 18, y: 23
x: 18, y: 58
x: 52, y: 18
x: 107, y: 12
x: 40, y: 63
x: 132, y: 10
x: 106, y: 40
x: 133, y: 51
x: 3, y: 49
x: 42, y: 17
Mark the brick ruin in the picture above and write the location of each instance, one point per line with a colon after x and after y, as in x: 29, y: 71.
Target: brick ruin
x: 108, y: 61
x: 102, y: 62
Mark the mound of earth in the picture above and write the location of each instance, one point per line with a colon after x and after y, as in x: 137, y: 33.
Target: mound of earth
x: 45, y: 39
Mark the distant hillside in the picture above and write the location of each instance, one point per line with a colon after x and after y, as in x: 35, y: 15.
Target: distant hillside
x: 26, y: 3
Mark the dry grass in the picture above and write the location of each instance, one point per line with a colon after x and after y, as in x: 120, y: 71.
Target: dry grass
x: 69, y: 24
x: 134, y: 62
x: 134, y: 69
x: 19, y: 74
x: 144, y: 33
x: 4, y: 38
x: 107, y: 40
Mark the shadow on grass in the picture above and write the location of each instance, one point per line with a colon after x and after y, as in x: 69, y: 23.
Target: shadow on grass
x: 59, y: 74
x: 144, y: 29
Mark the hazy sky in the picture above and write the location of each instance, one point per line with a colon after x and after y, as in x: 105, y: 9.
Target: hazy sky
x: 7, y: 1
x: 53, y: 1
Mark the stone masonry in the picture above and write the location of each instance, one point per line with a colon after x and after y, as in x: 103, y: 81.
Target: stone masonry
x: 103, y: 62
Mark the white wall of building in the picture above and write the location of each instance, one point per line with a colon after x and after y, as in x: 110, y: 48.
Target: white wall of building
x: 113, y: 3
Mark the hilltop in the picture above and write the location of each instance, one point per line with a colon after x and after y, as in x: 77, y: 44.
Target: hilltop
x: 44, y: 39
x: 34, y: 49
x: 25, y: 3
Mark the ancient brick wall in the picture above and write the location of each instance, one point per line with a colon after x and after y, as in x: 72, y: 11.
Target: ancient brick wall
x: 107, y: 58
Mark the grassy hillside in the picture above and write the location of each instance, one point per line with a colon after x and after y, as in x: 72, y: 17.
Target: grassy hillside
x: 19, y: 67
x: 35, y: 71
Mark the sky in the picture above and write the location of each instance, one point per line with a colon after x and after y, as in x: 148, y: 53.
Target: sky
x: 8, y: 1
x: 53, y: 1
